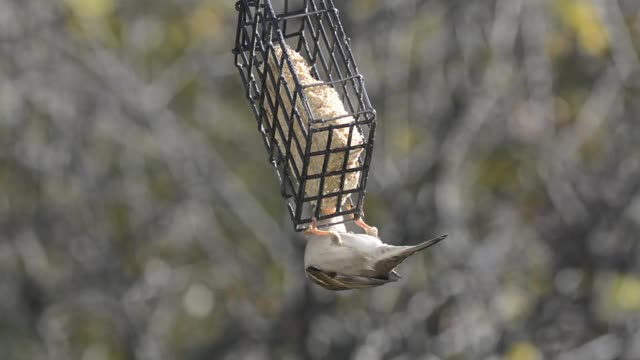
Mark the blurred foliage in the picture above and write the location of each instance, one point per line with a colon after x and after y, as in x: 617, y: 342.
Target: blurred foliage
x: 140, y: 218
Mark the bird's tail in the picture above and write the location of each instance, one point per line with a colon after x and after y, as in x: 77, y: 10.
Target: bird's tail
x: 392, y: 256
x: 414, y: 249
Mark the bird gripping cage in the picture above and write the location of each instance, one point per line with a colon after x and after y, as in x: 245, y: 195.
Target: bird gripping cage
x: 309, y: 99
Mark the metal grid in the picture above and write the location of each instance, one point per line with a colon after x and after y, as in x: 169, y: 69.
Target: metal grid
x: 286, y: 120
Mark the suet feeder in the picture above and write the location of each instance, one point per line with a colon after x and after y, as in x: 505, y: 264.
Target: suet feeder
x: 310, y: 103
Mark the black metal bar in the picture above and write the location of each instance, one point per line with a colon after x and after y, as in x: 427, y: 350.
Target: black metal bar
x: 333, y: 173
x: 344, y: 164
x: 323, y: 120
x: 323, y: 196
x: 300, y: 14
x: 323, y: 175
x: 324, y: 83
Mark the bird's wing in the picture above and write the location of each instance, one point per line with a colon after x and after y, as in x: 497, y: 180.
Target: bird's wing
x: 361, y: 282
x: 339, y: 281
x: 387, y: 264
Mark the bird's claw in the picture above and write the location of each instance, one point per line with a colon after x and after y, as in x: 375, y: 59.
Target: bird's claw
x: 313, y: 229
x: 370, y: 230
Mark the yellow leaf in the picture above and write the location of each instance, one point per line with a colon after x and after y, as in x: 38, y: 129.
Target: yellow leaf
x: 205, y: 21
x: 524, y: 350
x: 91, y: 9
x: 583, y: 18
x: 626, y: 292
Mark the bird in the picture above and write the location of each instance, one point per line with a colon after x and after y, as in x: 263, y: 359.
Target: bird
x: 337, y: 259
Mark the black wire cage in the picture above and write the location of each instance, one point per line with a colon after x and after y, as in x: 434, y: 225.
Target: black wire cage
x: 311, y: 105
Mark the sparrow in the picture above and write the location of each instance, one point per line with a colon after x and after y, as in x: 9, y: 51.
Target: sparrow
x: 340, y: 260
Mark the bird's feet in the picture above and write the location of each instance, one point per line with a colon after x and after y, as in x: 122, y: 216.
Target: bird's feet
x: 370, y: 230
x: 313, y: 230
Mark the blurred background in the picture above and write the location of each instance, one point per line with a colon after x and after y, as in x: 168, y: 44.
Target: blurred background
x: 140, y: 218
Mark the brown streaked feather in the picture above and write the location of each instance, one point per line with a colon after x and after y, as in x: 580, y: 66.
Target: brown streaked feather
x: 324, y: 279
x: 385, y: 266
x: 337, y: 281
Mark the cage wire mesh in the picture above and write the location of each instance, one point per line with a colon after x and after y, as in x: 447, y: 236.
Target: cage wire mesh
x: 311, y: 105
